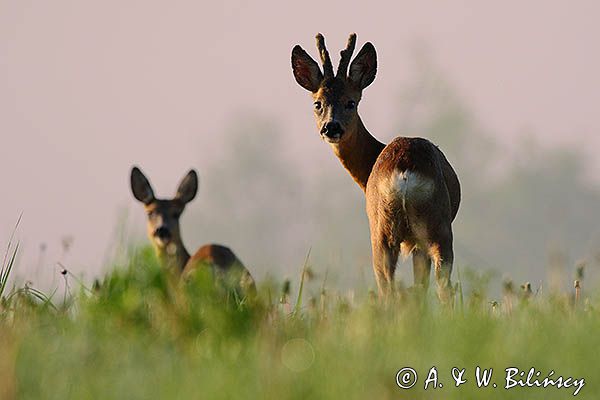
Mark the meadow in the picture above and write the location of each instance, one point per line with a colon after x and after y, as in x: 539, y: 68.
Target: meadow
x: 138, y: 333
x: 89, y: 89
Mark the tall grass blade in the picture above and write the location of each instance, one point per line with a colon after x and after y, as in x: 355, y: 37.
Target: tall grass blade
x: 5, y: 273
x: 301, y: 289
x: 12, y: 236
x: 460, y: 291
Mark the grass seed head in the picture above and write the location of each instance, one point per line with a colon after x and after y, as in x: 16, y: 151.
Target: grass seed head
x: 579, y: 270
x: 508, y: 287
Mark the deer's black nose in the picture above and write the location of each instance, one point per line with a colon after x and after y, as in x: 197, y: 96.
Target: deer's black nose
x: 162, y: 233
x: 332, y: 129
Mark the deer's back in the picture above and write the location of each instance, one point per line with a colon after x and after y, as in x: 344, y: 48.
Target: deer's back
x: 220, y: 256
x: 223, y: 262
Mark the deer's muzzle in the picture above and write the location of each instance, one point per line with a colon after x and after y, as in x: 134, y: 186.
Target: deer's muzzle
x: 332, y: 131
x: 163, y: 234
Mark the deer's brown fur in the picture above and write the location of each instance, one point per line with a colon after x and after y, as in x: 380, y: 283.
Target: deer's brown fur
x: 412, y: 192
x: 165, y: 236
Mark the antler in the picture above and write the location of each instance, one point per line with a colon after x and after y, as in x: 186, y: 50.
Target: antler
x: 325, y: 59
x: 346, y: 55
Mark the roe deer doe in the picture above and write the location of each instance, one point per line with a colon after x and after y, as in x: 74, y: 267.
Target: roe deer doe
x: 164, y: 233
x: 412, y: 192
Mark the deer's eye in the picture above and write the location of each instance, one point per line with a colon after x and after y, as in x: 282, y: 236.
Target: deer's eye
x: 350, y: 104
x: 317, y: 105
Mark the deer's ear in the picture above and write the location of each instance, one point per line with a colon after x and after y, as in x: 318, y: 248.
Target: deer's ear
x: 364, y: 67
x: 306, y: 70
x: 188, y: 187
x: 140, y: 186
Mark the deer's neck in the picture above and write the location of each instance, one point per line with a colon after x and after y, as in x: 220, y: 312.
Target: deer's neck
x: 173, y: 256
x: 358, y: 153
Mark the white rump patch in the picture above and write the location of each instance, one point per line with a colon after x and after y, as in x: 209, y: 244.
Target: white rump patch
x: 412, y: 186
x: 407, y: 189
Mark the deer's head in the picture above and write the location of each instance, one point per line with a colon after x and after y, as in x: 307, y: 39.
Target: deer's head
x: 335, y: 97
x: 163, y: 214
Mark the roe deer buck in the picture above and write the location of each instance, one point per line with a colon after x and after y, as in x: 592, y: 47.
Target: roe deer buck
x: 412, y: 192
x: 164, y: 233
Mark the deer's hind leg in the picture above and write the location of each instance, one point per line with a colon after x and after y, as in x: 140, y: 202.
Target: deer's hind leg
x: 385, y: 258
x: 442, y: 254
x: 386, y: 236
x: 421, y: 268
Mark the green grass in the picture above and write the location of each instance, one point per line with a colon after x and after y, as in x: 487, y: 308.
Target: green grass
x: 142, y: 335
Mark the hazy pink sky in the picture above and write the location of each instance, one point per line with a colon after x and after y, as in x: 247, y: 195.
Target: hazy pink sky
x: 89, y: 88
